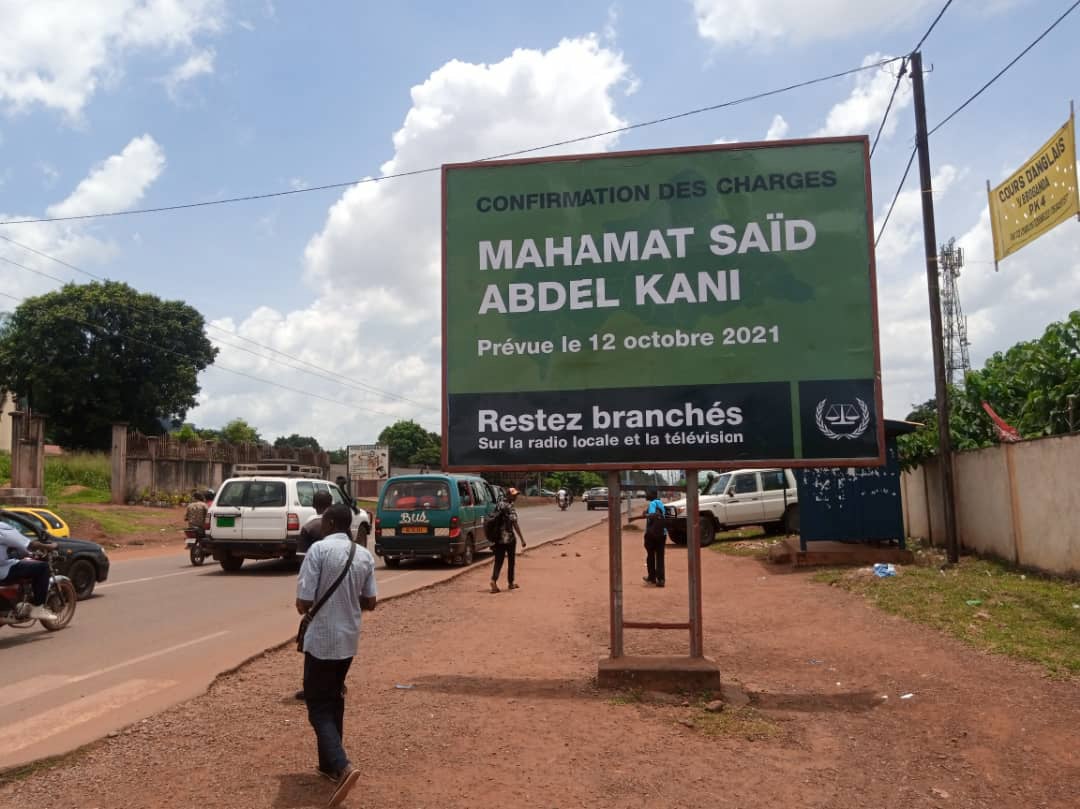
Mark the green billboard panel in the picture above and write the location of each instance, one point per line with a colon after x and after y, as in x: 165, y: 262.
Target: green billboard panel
x: 669, y: 309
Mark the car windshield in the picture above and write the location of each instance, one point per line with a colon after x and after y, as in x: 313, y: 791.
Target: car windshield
x: 407, y: 495
x: 719, y: 485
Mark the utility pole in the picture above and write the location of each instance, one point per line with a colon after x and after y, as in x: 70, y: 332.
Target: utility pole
x: 941, y: 387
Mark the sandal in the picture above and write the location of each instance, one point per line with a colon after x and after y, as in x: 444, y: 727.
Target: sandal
x: 494, y: 587
x: 512, y: 587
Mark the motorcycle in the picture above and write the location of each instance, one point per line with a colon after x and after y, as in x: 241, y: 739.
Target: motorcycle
x: 563, y: 502
x: 15, y: 600
x: 198, y: 546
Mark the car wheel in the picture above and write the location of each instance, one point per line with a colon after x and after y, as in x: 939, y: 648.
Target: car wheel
x: 362, y: 535
x: 83, y: 577
x: 231, y: 564
x: 391, y: 561
x: 791, y: 519
x: 470, y: 552
x: 708, y: 532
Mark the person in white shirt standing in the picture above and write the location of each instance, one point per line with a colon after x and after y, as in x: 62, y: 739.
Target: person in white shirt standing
x: 333, y: 637
x: 36, y: 571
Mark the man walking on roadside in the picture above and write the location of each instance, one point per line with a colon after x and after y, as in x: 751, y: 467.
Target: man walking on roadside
x: 333, y: 637
x: 311, y: 532
x: 504, y: 546
x: 655, y: 539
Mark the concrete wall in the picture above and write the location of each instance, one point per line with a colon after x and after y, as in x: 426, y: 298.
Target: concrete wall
x: 1018, y: 502
x: 171, y: 475
x: 7, y: 406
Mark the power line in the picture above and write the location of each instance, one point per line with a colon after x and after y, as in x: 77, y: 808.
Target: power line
x: 504, y: 155
x: 1001, y: 72
x: 100, y: 330
x: 344, y: 381
x: 971, y: 98
x: 933, y: 25
x: 888, y: 107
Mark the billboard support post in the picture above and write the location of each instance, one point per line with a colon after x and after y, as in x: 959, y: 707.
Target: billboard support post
x: 693, y: 564
x: 615, y: 572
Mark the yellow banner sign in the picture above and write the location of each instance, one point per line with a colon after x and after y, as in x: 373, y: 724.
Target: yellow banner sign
x: 1040, y: 195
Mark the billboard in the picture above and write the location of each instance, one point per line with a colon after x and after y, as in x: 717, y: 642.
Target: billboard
x: 1037, y: 197
x: 664, y: 309
x: 368, y: 462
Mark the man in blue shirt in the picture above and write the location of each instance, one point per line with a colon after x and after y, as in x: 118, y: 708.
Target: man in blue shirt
x: 333, y: 636
x: 655, y: 539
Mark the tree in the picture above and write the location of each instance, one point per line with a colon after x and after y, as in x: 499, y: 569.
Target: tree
x: 339, y: 456
x: 411, y: 445
x: 89, y: 355
x: 295, y: 441
x: 239, y: 431
x: 574, y: 482
x: 1028, y: 386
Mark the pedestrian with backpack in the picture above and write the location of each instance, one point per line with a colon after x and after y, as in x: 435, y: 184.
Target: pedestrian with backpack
x: 655, y: 539
x: 505, y: 525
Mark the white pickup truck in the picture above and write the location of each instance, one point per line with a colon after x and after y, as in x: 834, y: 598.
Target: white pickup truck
x: 765, y: 497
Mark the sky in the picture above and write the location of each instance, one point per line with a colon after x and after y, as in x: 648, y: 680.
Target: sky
x: 109, y: 105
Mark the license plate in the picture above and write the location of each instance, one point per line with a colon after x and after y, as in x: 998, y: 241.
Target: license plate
x: 413, y: 529
x: 226, y: 522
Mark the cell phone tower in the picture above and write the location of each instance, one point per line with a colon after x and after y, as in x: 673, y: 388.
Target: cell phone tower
x: 957, y: 361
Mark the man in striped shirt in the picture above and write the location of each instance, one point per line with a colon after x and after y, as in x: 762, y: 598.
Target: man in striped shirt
x: 333, y: 637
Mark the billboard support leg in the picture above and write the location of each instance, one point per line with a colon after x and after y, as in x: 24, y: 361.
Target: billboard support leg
x: 693, y: 564
x: 615, y: 564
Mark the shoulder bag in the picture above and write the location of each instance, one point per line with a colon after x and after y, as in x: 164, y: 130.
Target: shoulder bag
x: 309, y: 616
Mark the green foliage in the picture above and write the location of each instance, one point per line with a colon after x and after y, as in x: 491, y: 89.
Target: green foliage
x: 1028, y: 386
x: 239, y: 431
x: 92, y: 471
x: 411, y: 445
x: 984, y: 603
x: 90, y: 355
x: 296, y: 441
x: 5, y: 466
x: 339, y: 456
x: 186, y: 434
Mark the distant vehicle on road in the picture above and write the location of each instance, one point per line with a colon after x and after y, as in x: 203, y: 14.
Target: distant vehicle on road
x: 85, y: 563
x: 258, y: 513
x: 596, y: 497
x: 433, y: 517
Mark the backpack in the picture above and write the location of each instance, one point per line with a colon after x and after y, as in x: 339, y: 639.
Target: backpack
x: 493, y: 525
x: 654, y: 525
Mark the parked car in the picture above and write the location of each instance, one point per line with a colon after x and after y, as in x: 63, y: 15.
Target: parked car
x: 82, y: 561
x: 433, y: 517
x: 596, y: 498
x: 50, y: 520
x: 765, y: 497
x: 258, y: 513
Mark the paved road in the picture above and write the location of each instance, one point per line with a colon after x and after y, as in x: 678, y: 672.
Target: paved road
x: 159, y: 631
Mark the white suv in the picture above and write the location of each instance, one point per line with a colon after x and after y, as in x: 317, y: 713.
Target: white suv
x: 258, y: 513
x: 765, y: 497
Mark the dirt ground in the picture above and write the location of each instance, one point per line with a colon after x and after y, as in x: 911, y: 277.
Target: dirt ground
x: 161, y: 531
x: 502, y: 709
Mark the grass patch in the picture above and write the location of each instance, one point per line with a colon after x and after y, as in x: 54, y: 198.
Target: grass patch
x: 78, y: 477
x: 752, y: 542
x: 739, y: 723
x: 116, y: 523
x: 985, y: 603
x: 5, y: 467
x: 629, y: 696
x: 368, y: 505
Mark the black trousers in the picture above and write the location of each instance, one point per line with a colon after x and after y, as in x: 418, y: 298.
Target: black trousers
x: 508, y: 552
x: 654, y: 559
x: 323, y: 681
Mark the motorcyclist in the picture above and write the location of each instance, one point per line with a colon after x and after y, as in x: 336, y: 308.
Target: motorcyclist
x: 195, y: 514
x: 562, y: 498
x: 13, y: 568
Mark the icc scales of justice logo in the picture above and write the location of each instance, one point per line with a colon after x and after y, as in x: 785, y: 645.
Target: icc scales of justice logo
x: 839, y: 420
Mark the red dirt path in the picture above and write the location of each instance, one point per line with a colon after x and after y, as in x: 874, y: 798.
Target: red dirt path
x: 504, y: 712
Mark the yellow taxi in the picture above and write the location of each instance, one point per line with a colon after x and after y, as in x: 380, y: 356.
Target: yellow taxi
x: 48, y: 520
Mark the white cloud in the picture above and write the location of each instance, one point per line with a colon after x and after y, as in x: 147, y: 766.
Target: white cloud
x: 198, y: 64
x: 57, y: 53
x: 741, y: 22
x: 118, y: 182
x: 861, y: 112
x: 777, y: 129
x: 49, y: 171
x: 375, y: 264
